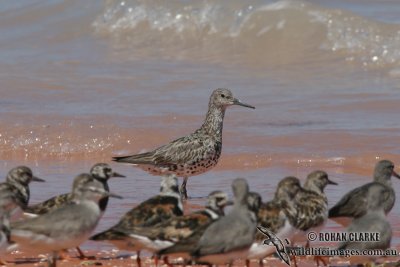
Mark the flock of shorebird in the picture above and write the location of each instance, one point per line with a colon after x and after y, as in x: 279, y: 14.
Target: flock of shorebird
x: 208, y: 236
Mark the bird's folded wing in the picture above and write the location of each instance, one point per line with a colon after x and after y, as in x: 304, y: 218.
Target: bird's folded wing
x: 352, y: 204
x: 178, y: 151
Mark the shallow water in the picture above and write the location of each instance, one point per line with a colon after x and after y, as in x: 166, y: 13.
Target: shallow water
x: 82, y: 81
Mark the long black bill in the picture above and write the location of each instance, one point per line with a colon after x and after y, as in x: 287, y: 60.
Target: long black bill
x: 116, y: 174
x: 395, y: 174
x: 332, y: 182
x: 37, y: 179
x: 229, y: 203
x: 239, y: 103
x: 109, y: 194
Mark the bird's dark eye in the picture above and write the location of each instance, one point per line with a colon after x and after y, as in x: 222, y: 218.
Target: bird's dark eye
x: 222, y: 95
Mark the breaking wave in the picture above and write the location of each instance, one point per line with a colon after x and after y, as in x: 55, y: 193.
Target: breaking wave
x: 265, y: 32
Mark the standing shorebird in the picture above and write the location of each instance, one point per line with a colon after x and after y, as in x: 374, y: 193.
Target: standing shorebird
x: 15, y: 193
x: 166, y: 233
x: 170, y: 232
x: 277, y: 216
x: 354, y: 203
x: 373, y: 221
x: 156, y: 209
x: 65, y: 227
x: 312, y: 203
x: 312, y: 207
x: 195, y: 153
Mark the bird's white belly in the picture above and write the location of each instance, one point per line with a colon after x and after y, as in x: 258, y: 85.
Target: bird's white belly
x: 151, y: 245
x: 36, y: 243
x: 258, y: 250
x: 125, y: 244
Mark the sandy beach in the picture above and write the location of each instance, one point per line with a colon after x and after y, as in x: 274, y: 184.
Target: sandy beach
x: 82, y: 82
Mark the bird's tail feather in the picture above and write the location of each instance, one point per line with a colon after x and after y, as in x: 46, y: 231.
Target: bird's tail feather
x: 143, y: 158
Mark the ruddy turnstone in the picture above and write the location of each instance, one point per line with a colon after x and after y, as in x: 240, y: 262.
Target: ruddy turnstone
x: 277, y: 216
x: 312, y: 203
x: 15, y: 193
x: 193, y: 154
x: 166, y: 233
x: 157, y: 209
x: 312, y: 207
x: 169, y: 232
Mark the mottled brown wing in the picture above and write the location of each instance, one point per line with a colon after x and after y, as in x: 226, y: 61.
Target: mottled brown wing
x: 178, y: 151
x: 50, y: 204
x: 188, y: 244
x: 9, y: 193
x: 270, y: 216
x: 176, y: 228
x: 311, y: 210
x: 151, y: 212
x: 148, y: 213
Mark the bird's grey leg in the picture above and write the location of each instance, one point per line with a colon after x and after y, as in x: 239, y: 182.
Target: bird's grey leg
x: 138, y: 261
x: 261, y: 263
x: 183, y: 188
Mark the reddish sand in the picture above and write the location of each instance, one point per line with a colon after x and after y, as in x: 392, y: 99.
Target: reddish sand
x: 116, y: 258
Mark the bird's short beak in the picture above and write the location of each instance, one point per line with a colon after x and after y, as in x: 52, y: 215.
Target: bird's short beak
x: 37, y: 179
x: 332, y: 182
x: 116, y: 174
x: 395, y: 174
x: 239, y: 103
x: 109, y: 194
x: 229, y: 203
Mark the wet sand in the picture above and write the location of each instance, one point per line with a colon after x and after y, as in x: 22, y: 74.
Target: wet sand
x: 82, y: 82
x: 122, y: 259
x: 262, y: 176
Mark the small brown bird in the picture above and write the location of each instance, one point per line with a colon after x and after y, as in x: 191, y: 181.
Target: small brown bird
x: 157, y: 209
x: 278, y: 216
x: 15, y: 193
x: 166, y: 233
